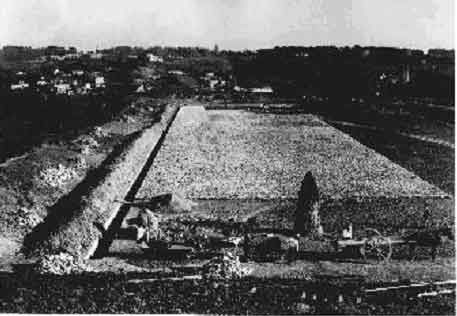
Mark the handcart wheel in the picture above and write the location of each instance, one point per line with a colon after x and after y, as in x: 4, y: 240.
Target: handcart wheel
x: 376, y: 246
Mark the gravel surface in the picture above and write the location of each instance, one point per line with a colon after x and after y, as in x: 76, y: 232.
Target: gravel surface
x: 233, y: 154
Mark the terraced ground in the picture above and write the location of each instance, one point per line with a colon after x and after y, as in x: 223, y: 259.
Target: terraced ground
x: 235, y: 162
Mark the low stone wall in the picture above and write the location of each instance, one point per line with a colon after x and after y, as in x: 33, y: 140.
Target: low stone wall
x: 75, y: 222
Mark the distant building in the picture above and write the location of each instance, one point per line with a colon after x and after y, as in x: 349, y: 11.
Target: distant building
x: 213, y: 83
x: 21, y: 85
x: 57, y: 57
x: 41, y: 82
x: 71, y: 56
x: 77, y: 72
x: 154, y: 58
x: 238, y: 89
x: 62, y: 88
x: 176, y: 72
x: 263, y: 90
x: 96, y: 56
x: 140, y: 89
x: 216, y: 83
x: 99, y: 82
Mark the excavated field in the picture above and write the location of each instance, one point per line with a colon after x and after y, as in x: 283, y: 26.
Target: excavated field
x: 235, y: 163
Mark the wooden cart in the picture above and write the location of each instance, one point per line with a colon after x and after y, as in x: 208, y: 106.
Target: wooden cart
x: 375, y: 245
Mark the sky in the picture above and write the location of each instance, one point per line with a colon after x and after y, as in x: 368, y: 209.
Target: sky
x: 231, y: 24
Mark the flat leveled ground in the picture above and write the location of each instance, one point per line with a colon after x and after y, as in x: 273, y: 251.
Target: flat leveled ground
x: 234, y: 154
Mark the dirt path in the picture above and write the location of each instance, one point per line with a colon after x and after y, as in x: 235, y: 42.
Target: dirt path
x: 415, y: 136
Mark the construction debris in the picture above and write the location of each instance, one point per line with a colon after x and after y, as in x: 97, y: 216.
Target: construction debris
x: 27, y: 217
x: 271, y: 245
x: 58, y: 177
x: 60, y: 264
x: 226, y: 266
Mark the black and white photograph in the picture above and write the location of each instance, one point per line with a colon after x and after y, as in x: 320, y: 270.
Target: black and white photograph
x: 234, y: 157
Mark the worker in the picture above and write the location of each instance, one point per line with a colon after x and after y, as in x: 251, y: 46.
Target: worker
x: 147, y: 226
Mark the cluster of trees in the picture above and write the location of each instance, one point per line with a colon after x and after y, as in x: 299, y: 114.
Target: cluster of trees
x: 344, y: 72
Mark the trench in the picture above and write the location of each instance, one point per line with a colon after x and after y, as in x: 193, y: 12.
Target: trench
x: 110, y: 234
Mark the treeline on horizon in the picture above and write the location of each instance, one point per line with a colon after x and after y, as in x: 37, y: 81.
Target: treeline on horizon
x: 294, y: 71
x: 336, y: 73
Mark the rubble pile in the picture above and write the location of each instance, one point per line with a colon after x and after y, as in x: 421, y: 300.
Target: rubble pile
x: 227, y: 266
x: 27, y: 217
x: 87, y: 144
x: 58, y: 177
x: 60, y: 264
x: 100, y: 132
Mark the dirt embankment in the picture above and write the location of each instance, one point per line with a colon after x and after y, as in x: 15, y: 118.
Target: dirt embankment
x: 76, y: 222
x: 32, y: 183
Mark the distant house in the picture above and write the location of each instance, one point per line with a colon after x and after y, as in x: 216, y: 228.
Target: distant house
x: 96, y: 55
x: 41, y: 82
x: 57, y: 57
x: 216, y: 83
x: 176, y: 72
x: 140, y: 89
x: 71, y: 56
x: 240, y: 89
x: 62, y: 88
x: 99, y: 82
x: 154, y: 58
x: 77, y: 72
x: 263, y: 90
x: 213, y: 83
x: 19, y: 86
